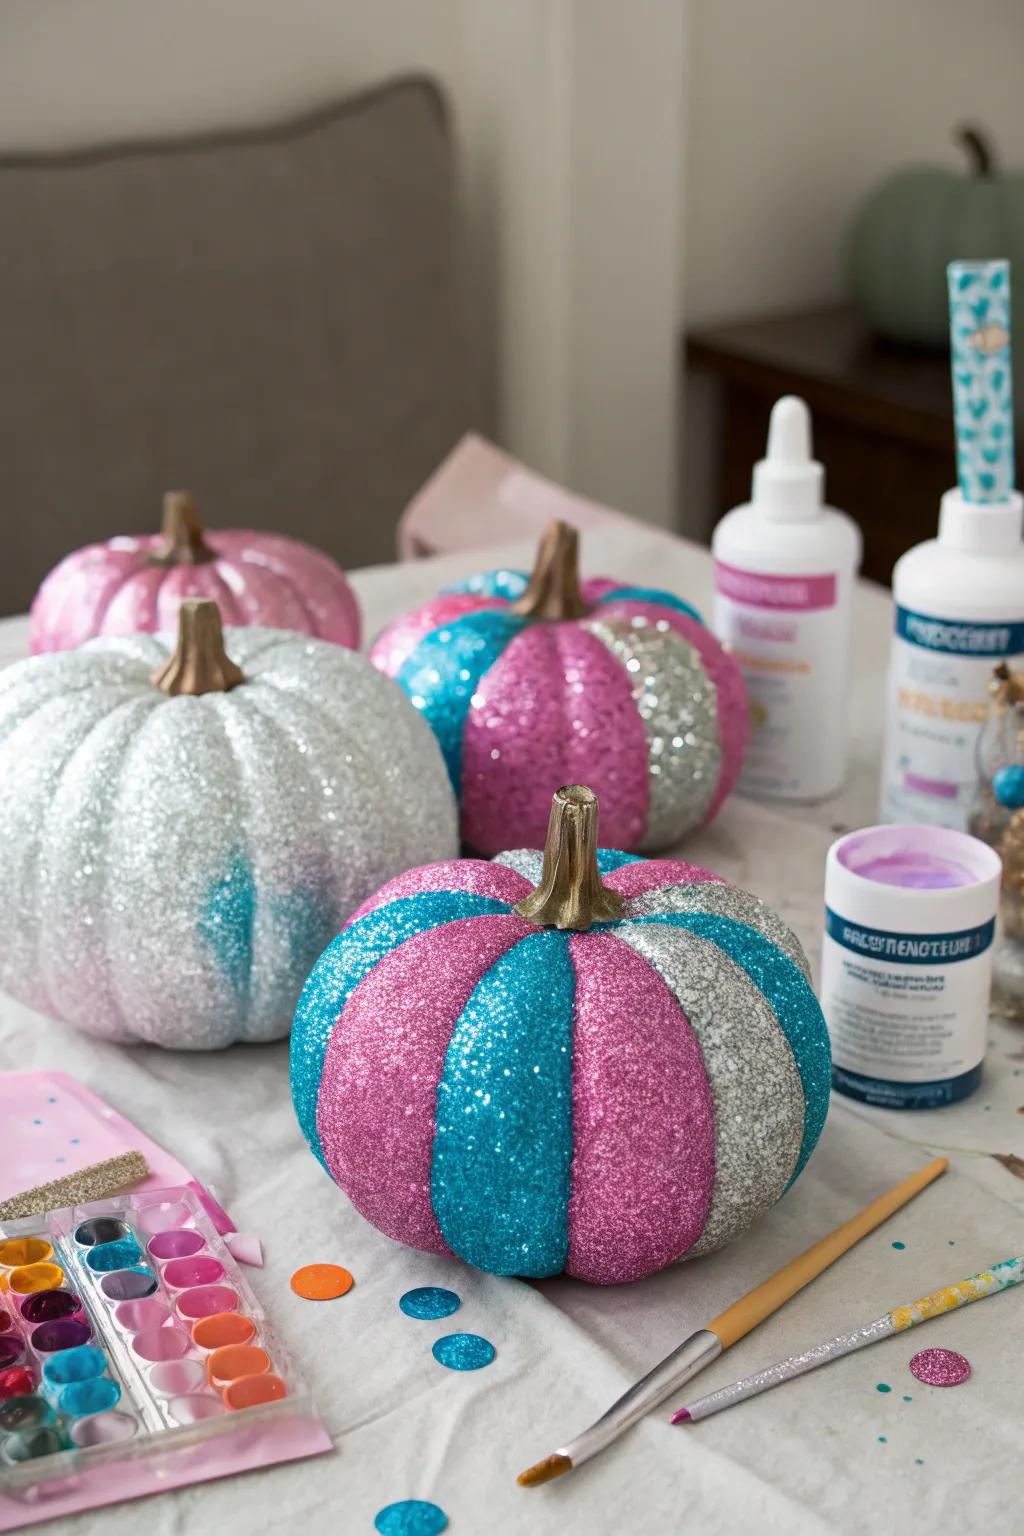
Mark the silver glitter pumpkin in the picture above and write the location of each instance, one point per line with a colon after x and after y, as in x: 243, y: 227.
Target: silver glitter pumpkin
x: 180, y: 840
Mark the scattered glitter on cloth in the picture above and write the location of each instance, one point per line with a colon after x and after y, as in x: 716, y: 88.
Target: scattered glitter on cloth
x: 428, y: 1302
x: 463, y: 1351
x: 940, y: 1367
x: 410, y: 1517
x: 321, y: 1282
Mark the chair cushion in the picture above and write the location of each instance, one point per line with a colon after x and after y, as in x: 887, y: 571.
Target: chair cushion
x: 270, y: 319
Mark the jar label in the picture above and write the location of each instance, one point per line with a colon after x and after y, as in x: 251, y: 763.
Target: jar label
x: 939, y: 674
x: 905, y: 1008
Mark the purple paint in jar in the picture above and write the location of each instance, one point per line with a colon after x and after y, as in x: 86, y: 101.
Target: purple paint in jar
x: 907, y: 963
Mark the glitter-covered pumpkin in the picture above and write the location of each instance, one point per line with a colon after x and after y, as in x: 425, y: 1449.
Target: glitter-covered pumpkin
x: 182, y: 832
x: 134, y: 584
x: 584, y: 1061
x: 532, y: 681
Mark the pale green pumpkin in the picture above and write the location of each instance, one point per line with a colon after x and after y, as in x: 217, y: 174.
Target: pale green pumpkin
x: 919, y: 219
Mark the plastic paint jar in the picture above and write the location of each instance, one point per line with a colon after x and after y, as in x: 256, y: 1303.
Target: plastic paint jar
x: 907, y: 963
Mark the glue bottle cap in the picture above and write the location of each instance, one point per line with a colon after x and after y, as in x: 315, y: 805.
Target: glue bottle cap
x: 789, y: 485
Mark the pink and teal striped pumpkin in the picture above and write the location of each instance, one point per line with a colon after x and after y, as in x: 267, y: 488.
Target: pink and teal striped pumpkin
x: 135, y: 584
x: 531, y: 1100
x: 534, y: 681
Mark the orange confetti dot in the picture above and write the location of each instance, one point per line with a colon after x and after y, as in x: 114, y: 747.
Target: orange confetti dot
x: 321, y: 1282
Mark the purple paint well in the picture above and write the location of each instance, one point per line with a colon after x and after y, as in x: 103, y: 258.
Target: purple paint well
x: 62, y: 1333
x: 46, y: 1306
x: 915, y: 858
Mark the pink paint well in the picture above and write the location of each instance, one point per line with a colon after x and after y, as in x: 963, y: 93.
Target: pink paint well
x: 203, y: 1269
x: 161, y: 1344
x: 178, y: 1243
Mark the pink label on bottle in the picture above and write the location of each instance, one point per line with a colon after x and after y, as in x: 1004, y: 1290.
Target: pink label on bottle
x: 787, y: 594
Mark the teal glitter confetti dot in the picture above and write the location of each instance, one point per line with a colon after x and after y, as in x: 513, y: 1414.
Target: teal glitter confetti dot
x: 907, y: 1399
x: 882, y: 1386
x: 883, y: 1440
x: 952, y: 1242
x: 463, y: 1351
x: 918, y: 1461
x: 900, y: 1246
x: 410, y: 1517
x: 429, y: 1302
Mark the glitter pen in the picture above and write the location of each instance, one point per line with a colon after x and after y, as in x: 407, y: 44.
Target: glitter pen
x: 704, y: 1346
x: 999, y: 1278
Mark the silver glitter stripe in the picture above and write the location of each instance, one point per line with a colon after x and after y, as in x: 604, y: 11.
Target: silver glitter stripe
x: 527, y: 862
x: 723, y: 901
x: 676, y: 700
x: 796, y: 1365
x: 756, y: 1092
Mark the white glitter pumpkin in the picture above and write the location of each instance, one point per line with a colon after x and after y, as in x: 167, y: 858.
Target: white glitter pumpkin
x: 180, y: 838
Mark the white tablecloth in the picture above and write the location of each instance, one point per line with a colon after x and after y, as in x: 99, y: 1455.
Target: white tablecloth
x: 827, y: 1453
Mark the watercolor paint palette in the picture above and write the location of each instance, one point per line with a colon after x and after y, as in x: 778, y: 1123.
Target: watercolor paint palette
x: 134, y: 1357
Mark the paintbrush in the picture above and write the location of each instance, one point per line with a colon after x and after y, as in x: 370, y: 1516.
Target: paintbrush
x: 701, y: 1348
x: 999, y: 1278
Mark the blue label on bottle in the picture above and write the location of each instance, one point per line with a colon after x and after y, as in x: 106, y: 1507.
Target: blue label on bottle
x: 909, y: 948
x: 959, y: 637
x: 889, y: 1095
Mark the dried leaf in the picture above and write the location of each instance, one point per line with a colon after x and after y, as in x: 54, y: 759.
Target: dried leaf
x: 1011, y: 1161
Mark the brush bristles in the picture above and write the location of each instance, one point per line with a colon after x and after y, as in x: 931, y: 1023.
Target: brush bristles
x: 544, y: 1471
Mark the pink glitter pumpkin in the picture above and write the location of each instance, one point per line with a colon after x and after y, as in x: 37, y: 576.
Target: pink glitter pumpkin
x: 585, y: 1061
x: 532, y: 681
x: 133, y: 585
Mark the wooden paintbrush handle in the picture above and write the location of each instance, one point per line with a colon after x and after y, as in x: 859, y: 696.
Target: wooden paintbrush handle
x: 772, y: 1293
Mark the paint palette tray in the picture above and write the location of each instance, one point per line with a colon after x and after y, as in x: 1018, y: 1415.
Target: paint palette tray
x: 134, y: 1357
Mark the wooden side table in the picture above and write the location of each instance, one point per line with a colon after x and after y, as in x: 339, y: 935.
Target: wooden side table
x: 883, y: 419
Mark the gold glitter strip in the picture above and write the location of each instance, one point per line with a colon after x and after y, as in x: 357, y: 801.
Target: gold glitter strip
x: 93, y: 1183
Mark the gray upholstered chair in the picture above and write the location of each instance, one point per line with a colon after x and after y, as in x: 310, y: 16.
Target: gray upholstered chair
x: 270, y: 318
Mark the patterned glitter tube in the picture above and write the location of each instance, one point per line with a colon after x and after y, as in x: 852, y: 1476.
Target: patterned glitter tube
x: 979, y: 331
x: 987, y: 1283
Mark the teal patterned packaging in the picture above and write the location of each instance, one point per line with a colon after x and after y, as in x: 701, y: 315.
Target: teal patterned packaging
x: 979, y: 333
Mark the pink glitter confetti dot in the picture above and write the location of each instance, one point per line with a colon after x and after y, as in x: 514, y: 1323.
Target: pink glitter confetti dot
x: 940, y: 1367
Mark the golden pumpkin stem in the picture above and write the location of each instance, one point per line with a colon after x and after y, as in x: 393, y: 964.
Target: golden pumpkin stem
x: 200, y: 664
x: 182, y: 533
x: 570, y: 893
x: 553, y: 591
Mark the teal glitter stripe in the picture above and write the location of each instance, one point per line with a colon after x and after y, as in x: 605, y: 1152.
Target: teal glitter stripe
x: 340, y: 969
x: 443, y: 671
x: 650, y: 595
x: 796, y: 1008
x: 503, y: 1133
x: 504, y: 583
x: 610, y: 859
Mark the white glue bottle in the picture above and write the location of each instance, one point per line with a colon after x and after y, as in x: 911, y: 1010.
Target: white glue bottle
x: 959, y: 598
x: 785, y: 566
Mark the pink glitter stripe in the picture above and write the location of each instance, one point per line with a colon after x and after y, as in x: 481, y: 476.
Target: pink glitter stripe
x: 650, y: 875
x: 733, y: 717
x: 394, y: 645
x: 643, y: 1126
x: 477, y: 875
x: 133, y: 608
x: 376, y: 1107
x: 555, y: 708
x: 183, y: 581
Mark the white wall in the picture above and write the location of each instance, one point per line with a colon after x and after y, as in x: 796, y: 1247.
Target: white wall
x: 795, y: 108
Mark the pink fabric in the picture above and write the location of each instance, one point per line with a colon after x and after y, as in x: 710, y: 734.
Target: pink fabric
x: 643, y: 1125
x: 733, y: 716
x: 478, y: 875
x: 377, y: 1100
x: 394, y: 645
x: 257, y: 578
x: 650, y: 875
x: 556, y: 708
